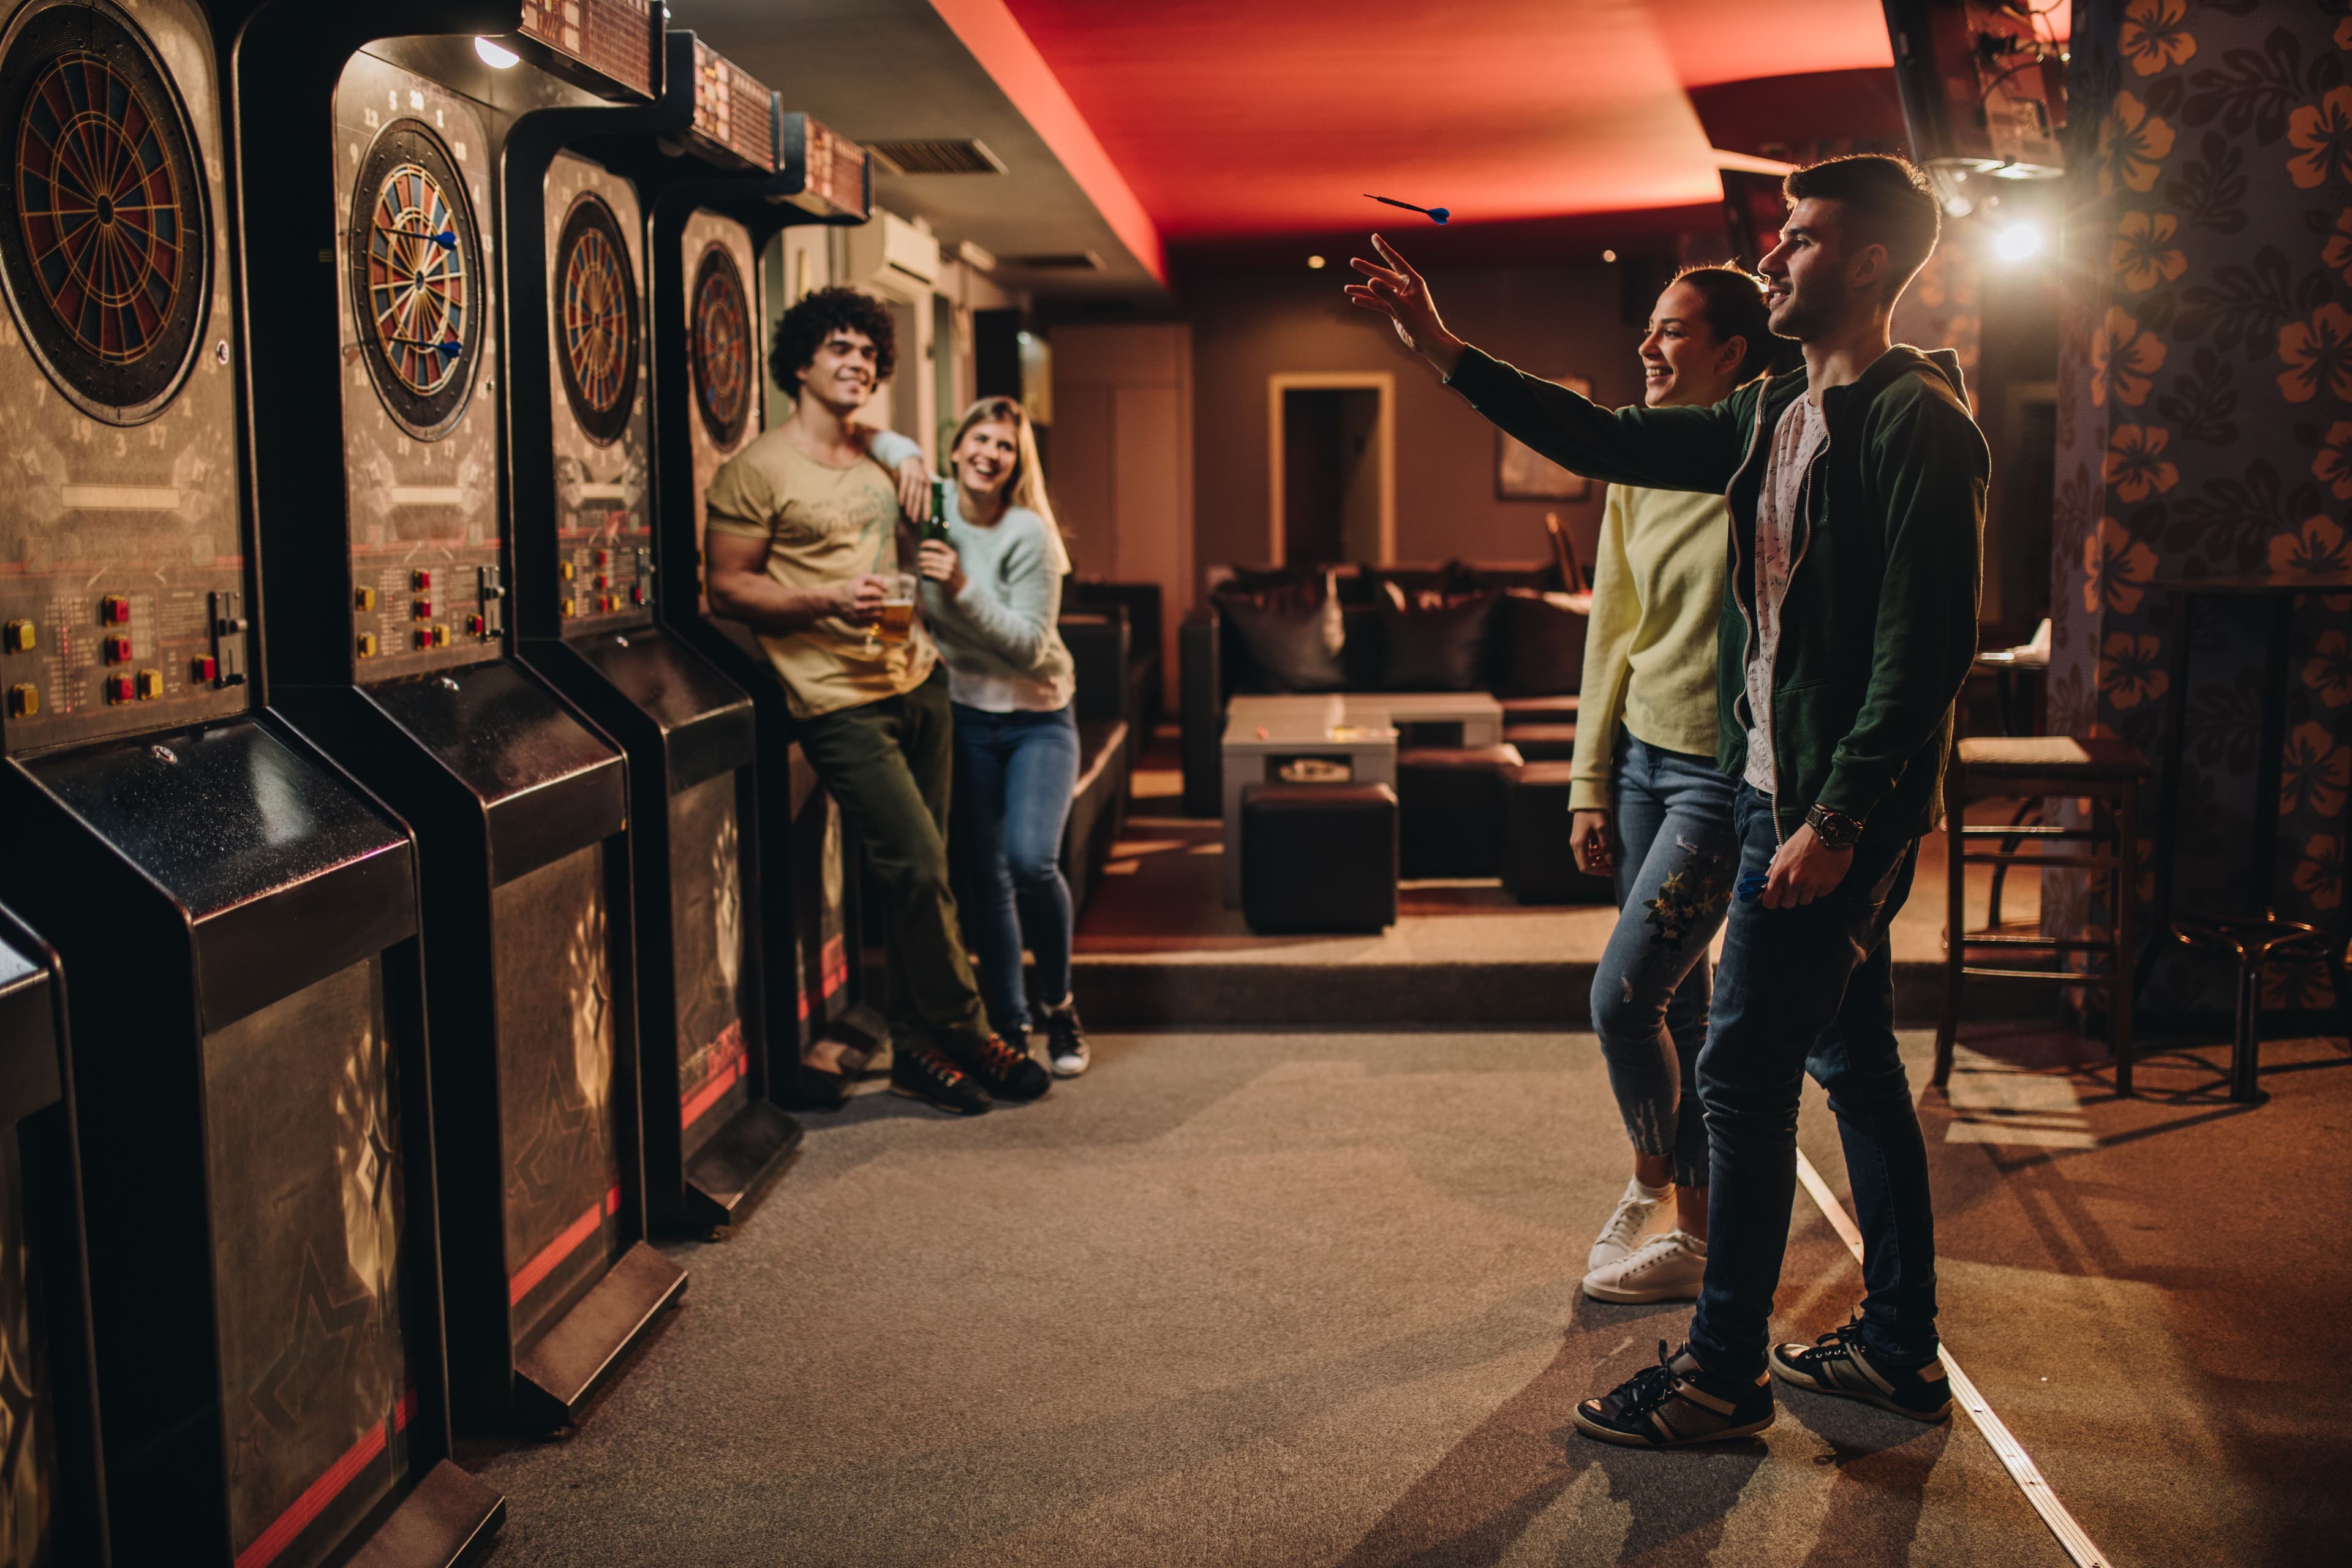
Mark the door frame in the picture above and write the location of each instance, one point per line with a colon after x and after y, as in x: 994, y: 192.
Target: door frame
x: 1383, y: 382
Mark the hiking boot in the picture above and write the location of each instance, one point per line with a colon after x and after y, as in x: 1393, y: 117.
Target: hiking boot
x: 1675, y: 1403
x: 1837, y: 1364
x: 926, y: 1074
x: 1005, y: 1071
x: 1665, y: 1268
x: 1066, y: 1041
x: 1626, y: 1223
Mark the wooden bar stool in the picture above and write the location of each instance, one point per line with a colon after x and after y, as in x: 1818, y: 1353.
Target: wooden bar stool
x: 2026, y: 767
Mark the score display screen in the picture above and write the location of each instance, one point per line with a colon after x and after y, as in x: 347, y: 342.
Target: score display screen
x: 615, y: 39
x: 734, y: 112
x: 832, y: 168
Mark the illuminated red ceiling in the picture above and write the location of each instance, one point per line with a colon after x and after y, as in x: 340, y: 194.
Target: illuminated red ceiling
x: 1237, y: 118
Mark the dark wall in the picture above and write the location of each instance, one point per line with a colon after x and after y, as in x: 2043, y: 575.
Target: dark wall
x: 1247, y: 326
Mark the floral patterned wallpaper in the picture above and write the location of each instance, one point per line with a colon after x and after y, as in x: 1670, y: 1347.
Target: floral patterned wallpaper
x: 2205, y: 428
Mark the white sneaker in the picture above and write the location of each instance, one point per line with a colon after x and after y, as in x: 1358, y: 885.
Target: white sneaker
x: 1624, y: 1231
x: 1666, y: 1268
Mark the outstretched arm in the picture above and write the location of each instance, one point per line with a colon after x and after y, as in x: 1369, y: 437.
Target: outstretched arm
x: 1662, y: 448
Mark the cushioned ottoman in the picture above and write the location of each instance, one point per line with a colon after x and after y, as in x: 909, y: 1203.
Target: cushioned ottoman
x: 1538, y: 852
x: 1318, y: 857
x: 1450, y: 810
x: 1542, y: 743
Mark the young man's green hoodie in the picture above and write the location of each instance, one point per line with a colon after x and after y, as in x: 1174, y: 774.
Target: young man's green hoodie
x: 1879, y: 625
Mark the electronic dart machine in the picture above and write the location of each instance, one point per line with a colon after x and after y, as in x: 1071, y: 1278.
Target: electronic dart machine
x: 50, y: 1505
x: 712, y: 212
x: 375, y: 377
x: 239, y: 917
x: 584, y: 589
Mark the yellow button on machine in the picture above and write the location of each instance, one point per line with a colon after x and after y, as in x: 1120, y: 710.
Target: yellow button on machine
x: 440, y: 636
x: 151, y: 684
x: 365, y: 597
x: 24, y: 700
x: 367, y: 644
x: 569, y: 608
x: 564, y: 570
x: 19, y: 637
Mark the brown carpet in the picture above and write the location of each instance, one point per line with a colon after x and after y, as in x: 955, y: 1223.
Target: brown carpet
x: 1310, y: 1299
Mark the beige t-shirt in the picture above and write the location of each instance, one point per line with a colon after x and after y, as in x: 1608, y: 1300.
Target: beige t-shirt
x: 824, y: 525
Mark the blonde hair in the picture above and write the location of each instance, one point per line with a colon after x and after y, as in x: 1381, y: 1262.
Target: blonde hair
x: 1026, y: 487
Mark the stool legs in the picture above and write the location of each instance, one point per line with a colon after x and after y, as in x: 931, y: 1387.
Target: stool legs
x: 2245, y: 1051
x: 2123, y: 973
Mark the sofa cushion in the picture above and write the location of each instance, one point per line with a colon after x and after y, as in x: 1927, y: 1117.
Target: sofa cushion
x: 1539, y: 645
x: 1293, y: 636
x: 1435, y: 644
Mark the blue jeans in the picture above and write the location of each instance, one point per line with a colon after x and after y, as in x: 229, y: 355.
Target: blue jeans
x: 1812, y: 990
x: 1014, y: 775
x: 1676, y: 851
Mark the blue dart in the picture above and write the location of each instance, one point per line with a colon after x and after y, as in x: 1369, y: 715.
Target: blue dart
x: 1751, y: 887
x: 1438, y: 214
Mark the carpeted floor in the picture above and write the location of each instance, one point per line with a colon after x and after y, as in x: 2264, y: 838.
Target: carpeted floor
x: 1303, y: 1299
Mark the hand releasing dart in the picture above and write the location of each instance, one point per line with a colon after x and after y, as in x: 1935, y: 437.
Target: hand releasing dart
x: 1437, y: 215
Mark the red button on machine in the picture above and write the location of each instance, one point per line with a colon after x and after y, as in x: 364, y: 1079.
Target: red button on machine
x: 637, y: 596
x: 117, y: 651
x: 601, y: 557
x: 114, y: 610
x: 602, y: 581
x: 204, y: 671
x: 421, y: 579
x: 473, y: 626
x: 424, y: 637
x: 422, y: 610
x: 118, y: 689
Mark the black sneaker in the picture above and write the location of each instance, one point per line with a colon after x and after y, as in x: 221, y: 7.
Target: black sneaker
x: 1066, y: 1041
x: 1836, y: 1363
x: 921, y: 1073
x: 1007, y: 1072
x: 1674, y: 1403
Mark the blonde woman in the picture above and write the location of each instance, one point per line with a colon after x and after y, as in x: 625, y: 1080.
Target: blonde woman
x: 992, y: 595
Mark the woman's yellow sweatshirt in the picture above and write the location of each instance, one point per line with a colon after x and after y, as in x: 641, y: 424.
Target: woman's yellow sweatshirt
x: 1650, y: 647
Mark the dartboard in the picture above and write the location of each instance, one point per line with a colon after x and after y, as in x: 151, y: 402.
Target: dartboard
x: 723, y: 346
x: 596, y: 320
x: 106, y: 253
x: 417, y: 285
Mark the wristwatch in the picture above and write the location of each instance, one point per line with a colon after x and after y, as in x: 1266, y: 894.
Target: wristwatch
x: 1833, y: 828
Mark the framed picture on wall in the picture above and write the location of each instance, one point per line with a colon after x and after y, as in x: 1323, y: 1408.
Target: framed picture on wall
x: 1522, y: 473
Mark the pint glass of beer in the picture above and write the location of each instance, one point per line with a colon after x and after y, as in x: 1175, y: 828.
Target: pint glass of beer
x: 899, y: 609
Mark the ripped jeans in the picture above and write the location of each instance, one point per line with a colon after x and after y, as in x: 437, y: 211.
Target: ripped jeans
x: 1677, y: 855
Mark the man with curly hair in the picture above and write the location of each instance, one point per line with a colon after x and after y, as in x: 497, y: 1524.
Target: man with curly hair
x: 802, y: 546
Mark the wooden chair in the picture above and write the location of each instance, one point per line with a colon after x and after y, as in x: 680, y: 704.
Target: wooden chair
x: 2026, y: 767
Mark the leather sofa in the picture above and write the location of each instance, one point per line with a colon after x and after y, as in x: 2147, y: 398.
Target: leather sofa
x: 1540, y: 717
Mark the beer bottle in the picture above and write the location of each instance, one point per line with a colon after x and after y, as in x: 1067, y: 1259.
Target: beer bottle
x: 937, y: 528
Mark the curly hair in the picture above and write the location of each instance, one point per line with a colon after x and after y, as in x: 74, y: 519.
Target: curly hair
x: 803, y: 329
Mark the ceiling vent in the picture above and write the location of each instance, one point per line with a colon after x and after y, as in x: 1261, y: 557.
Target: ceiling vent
x: 965, y: 157
x: 1062, y: 261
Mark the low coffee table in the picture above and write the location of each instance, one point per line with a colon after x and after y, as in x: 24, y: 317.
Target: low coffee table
x: 1341, y: 736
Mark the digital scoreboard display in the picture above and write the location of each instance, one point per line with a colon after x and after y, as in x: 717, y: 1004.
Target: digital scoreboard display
x: 832, y: 169
x: 734, y: 112
x: 618, y: 41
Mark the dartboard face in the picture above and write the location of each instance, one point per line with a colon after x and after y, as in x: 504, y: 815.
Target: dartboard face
x: 106, y: 253
x: 418, y: 285
x: 722, y: 347
x: 596, y: 320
